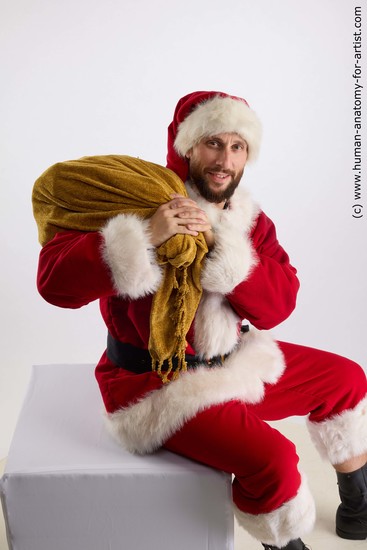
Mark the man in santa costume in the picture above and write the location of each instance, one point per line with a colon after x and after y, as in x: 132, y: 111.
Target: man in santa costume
x: 237, y: 377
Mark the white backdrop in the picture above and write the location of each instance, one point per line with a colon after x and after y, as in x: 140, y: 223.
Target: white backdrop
x: 84, y: 77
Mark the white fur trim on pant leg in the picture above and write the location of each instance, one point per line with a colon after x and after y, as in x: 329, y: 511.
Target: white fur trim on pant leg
x: 128, y: 252
x: 146, y: 425
x: 343, y: 436
x: 292, y: 520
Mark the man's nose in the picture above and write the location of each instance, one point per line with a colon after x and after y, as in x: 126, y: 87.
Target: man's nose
x: 224, y: 158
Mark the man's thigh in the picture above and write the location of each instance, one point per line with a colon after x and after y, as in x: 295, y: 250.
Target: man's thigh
x: 231, y: 438
x: 314, y: 382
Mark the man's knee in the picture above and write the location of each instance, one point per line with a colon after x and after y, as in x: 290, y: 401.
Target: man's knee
x: 284, y: 478
x: 276, y: 481
x: 352, y: 383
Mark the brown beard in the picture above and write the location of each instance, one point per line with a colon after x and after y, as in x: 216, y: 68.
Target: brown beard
x: 198, y: 180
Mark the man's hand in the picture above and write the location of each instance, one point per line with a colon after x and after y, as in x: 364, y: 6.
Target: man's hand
x: 182, y: 216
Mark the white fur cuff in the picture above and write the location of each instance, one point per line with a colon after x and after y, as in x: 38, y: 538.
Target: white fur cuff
x: 292, y: 520
x: 342, y: 437
x: 127, y: 252
x: 229, y: 263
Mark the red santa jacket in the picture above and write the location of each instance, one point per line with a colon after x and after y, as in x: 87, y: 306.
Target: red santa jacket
x: 246, y: 276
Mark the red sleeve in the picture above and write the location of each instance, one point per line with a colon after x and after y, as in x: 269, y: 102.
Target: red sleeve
x: 268, y: 296
x: 71, y: 270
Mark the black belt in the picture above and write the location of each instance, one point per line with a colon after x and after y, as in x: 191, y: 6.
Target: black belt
x: 139, y: 360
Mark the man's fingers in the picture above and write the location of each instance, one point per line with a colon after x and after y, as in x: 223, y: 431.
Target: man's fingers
x: 180, y: 215
x: 191, y: 214
x: 181, y: 202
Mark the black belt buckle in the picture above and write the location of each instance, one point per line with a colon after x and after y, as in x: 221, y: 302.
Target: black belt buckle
x: 216, y: 361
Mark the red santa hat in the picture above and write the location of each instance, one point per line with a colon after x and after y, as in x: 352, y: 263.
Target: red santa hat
x: 202, y: 114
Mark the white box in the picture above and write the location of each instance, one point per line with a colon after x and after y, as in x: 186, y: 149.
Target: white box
x: 68, y: 485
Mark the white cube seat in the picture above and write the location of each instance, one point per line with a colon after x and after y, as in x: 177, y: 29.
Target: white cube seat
x: 68, y: 485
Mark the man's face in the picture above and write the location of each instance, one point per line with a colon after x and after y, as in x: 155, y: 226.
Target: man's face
x: 216, y: 165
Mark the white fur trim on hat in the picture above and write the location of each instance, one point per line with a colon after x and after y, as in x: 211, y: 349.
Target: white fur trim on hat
x: 219, y: 115
x: 292, y: 520
x: 343, y: 436
x: 129, y: 254
x: 144, y: 426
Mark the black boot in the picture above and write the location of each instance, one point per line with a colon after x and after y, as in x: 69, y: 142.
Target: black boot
x: 292, y: 545
x: 351, y: 516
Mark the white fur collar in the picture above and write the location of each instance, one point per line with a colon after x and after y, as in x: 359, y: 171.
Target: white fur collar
x: 241, y: 206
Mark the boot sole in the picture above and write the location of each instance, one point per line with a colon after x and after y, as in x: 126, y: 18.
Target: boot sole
x: 351, y: 536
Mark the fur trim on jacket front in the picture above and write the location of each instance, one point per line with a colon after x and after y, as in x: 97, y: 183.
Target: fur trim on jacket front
x: 144, y: 426
x: 229, y: 263
x: 232, y: 259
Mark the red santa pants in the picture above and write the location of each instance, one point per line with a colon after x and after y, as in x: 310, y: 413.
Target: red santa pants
x: 233, y: 436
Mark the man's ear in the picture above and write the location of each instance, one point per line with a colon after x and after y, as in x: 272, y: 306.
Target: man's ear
x: 189, y: 153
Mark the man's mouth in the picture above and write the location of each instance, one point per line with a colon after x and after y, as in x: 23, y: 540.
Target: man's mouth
x: 219, y: 177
